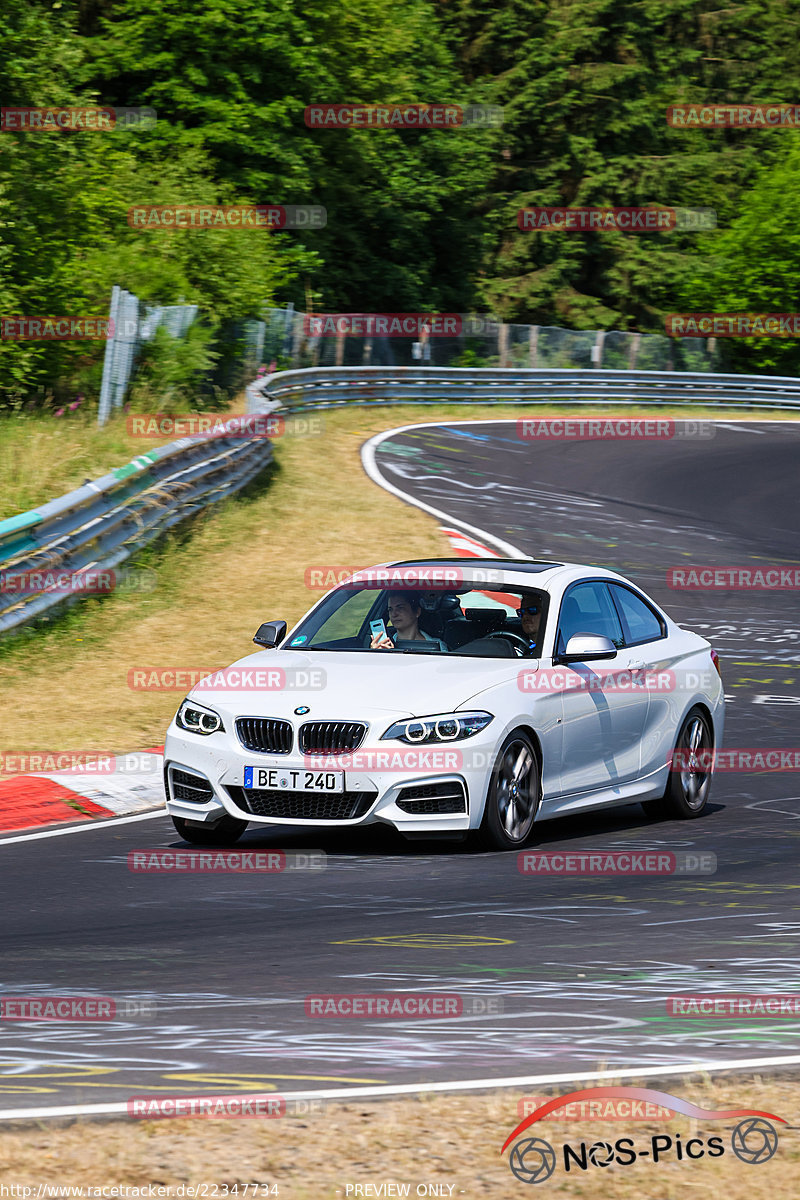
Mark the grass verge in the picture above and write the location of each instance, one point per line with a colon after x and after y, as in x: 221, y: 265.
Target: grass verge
x: 65, y: 684
x: 452, y: 1142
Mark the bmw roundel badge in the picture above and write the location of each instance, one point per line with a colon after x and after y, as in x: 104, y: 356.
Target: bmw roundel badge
x: 302, y: 710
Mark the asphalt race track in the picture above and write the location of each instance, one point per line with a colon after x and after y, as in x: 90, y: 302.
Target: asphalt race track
x: 582, y: 968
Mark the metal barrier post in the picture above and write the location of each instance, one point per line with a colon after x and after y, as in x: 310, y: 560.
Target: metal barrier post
x: 105, y: 386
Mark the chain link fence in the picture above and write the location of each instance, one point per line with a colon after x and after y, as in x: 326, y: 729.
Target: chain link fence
x: 284, y: 339
x: 133, y: 326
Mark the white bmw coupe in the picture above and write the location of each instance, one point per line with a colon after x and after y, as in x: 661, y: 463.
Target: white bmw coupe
x: 448, y: 696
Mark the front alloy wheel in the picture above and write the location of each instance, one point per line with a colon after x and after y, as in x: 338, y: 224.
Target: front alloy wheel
x: 513, y: 794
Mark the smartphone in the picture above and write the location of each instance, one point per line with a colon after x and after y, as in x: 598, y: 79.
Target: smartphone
x: 378, y: 629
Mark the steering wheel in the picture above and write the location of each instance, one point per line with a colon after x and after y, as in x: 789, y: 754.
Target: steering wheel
x: 518, y: 644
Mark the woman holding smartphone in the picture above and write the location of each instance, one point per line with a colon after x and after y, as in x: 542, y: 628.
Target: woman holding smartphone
x: 404, y: 611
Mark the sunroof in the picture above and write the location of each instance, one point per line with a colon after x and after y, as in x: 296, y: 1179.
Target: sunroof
x: 504, y: 564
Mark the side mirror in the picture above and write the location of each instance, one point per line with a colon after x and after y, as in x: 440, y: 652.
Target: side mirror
x: 270, y: 634
x: 588, y: 647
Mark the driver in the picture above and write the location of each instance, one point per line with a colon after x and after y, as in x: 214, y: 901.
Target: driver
x: 530, y: 615
x: 404, y: 612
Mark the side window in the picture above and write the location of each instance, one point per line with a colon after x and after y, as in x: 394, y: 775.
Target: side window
x: 588, y: 608
x: 641, y: 623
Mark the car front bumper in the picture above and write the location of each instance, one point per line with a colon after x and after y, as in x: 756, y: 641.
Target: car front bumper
x: 220, y: 760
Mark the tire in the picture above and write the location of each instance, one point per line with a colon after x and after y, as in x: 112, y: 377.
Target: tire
x: 513, y: 797
x: 686, y: 793
x: 224, y: 833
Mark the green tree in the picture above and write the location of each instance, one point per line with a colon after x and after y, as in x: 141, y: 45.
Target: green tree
x: 232, y: 80
x: 585, y: 85
x: 64, y: 233
x: 755, y: 267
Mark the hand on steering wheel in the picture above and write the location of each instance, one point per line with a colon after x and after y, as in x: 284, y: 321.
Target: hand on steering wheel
x: 518, y: 644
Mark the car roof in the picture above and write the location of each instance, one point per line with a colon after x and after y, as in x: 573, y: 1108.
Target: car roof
x: 511, y: 571
x: 504, y: 564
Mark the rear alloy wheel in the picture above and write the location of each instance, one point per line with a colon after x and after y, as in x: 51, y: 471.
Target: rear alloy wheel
x: 689, y: 780
x: 513, y: 794
x: 223, y: 833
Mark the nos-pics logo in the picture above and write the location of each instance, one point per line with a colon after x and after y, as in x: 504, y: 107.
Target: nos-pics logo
x: 754, y: 1138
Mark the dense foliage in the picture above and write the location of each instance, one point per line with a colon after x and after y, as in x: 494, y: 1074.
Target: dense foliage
x: 417, y: 219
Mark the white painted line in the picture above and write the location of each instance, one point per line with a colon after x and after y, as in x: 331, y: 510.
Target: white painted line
x: 415, y: 1089
x: 371, y: 468
x: 97, y: 823
x: 692, y: 920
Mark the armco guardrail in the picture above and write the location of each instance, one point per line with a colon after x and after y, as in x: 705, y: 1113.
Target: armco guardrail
x: 103, y: 523
x: 326, y: 387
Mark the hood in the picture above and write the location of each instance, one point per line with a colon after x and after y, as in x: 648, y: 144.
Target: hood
x: 337, y: 685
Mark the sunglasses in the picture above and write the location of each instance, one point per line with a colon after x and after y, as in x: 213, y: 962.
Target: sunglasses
x: 531, y: 609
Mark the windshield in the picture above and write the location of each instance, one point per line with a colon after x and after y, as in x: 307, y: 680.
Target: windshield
x: 477, y: 623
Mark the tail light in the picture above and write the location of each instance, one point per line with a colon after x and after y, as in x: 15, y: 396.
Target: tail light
x: 715, y: 661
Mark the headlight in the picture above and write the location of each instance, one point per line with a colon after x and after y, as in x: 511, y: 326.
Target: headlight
x: 196, y: 719
x: 449, y: 727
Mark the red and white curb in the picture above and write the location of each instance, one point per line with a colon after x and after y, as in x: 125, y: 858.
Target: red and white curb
x: 132, y: 783
x: 466, y: 546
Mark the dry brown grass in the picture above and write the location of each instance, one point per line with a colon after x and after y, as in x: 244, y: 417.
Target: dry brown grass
x: 65, y: 687
x: 451, y: 1140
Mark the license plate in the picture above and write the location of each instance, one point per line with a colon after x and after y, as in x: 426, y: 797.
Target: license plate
x: 277, y: 778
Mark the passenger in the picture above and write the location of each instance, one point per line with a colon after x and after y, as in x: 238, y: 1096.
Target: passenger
x: 404, y: 611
